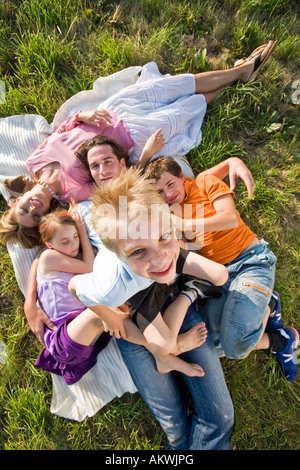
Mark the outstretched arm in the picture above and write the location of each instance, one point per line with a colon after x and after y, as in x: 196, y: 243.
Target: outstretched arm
x: 36, y: 317
x: 204, y: 268
x: 153, y: 145
x: 235, y: 168
x: 225, y: 218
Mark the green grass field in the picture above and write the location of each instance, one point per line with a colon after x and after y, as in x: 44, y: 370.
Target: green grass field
x: 51, y: 50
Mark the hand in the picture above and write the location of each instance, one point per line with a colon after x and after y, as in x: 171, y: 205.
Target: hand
x: 190, y: 239
x: 238, y: 169
x: 154, y: 143
x: 78, y: 219
x: 184, y: 226
x: 95, y: 117
x: 115, y: 326
x: 80, y: 224
x: 37, y: 320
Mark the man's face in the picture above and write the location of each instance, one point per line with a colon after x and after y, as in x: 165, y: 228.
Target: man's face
x: 171, y: 188
x: 104, y: 165
x: 152, y: 256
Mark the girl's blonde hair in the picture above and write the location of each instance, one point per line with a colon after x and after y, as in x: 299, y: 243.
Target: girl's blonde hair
x: 130, y: 195
x: 54, y: 220
x: 10, y: 229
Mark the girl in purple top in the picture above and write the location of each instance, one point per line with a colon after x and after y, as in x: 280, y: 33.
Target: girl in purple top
x: 72, y: 348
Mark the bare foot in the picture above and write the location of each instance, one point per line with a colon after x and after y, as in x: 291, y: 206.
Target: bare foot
x: 169, y: 362
x: 191, y: 339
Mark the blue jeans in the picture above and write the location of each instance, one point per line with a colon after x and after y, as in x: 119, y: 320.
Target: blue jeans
x: 211, y: 423
x: 235, y: 321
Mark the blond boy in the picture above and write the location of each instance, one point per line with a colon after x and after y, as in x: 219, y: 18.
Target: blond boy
x: 138, y: 229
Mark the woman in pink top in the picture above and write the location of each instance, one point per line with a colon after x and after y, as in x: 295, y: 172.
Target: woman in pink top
x: 74, y: 182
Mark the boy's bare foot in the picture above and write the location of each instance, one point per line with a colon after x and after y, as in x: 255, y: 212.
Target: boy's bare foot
x: 191, y: 339
x: 169, y: 362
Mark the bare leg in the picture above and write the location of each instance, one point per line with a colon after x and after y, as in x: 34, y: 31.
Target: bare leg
x: 86, y: 328
x: 191, y: 339
x: 264, y: 342
x: 209, y: 97
x: 174, y: 314
x: 165, y: 363
x: 208, y: 82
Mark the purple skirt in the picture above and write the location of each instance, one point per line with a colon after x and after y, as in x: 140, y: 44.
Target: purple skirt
x: 69, y: 359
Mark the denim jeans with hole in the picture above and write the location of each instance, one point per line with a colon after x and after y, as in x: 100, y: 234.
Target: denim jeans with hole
x: 210, y: 425
x: 235, y: 321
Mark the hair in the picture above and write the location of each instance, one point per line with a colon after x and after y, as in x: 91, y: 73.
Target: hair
x: 132, y: 195
x: 82, y: 151
x: 10, y: 229
x: 161, y: 165
x: 51, y: 222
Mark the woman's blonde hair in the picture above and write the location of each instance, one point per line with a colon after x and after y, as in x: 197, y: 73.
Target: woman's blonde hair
x: 131, y: 196
x: 10, y: 229
x: 51, y: 222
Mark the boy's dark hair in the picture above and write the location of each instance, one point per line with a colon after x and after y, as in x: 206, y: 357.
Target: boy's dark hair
x: 83, y: 149
x: 160, y: 165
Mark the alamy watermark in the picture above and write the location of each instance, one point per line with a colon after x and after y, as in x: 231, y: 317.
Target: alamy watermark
x: 296, y: 95
x: 144, y: 222
x: 2, y: 92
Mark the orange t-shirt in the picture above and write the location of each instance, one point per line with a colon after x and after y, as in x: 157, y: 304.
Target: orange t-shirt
x: 220, y: 246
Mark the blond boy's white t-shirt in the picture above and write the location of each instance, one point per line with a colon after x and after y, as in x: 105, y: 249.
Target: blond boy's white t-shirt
x: 111, y: 283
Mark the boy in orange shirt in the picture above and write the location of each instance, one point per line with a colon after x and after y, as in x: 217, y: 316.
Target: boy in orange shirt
x: 207, y: 221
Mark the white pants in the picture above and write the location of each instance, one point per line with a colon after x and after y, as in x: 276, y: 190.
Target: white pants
x: 164, y: 102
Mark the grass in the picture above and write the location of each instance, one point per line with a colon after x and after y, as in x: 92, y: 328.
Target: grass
x: 51, y: 50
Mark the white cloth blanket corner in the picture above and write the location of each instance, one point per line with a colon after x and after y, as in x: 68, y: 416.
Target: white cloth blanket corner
x: 108, y: 379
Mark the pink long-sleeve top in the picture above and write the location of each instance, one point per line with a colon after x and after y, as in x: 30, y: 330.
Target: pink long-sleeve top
x: 60, y: 146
